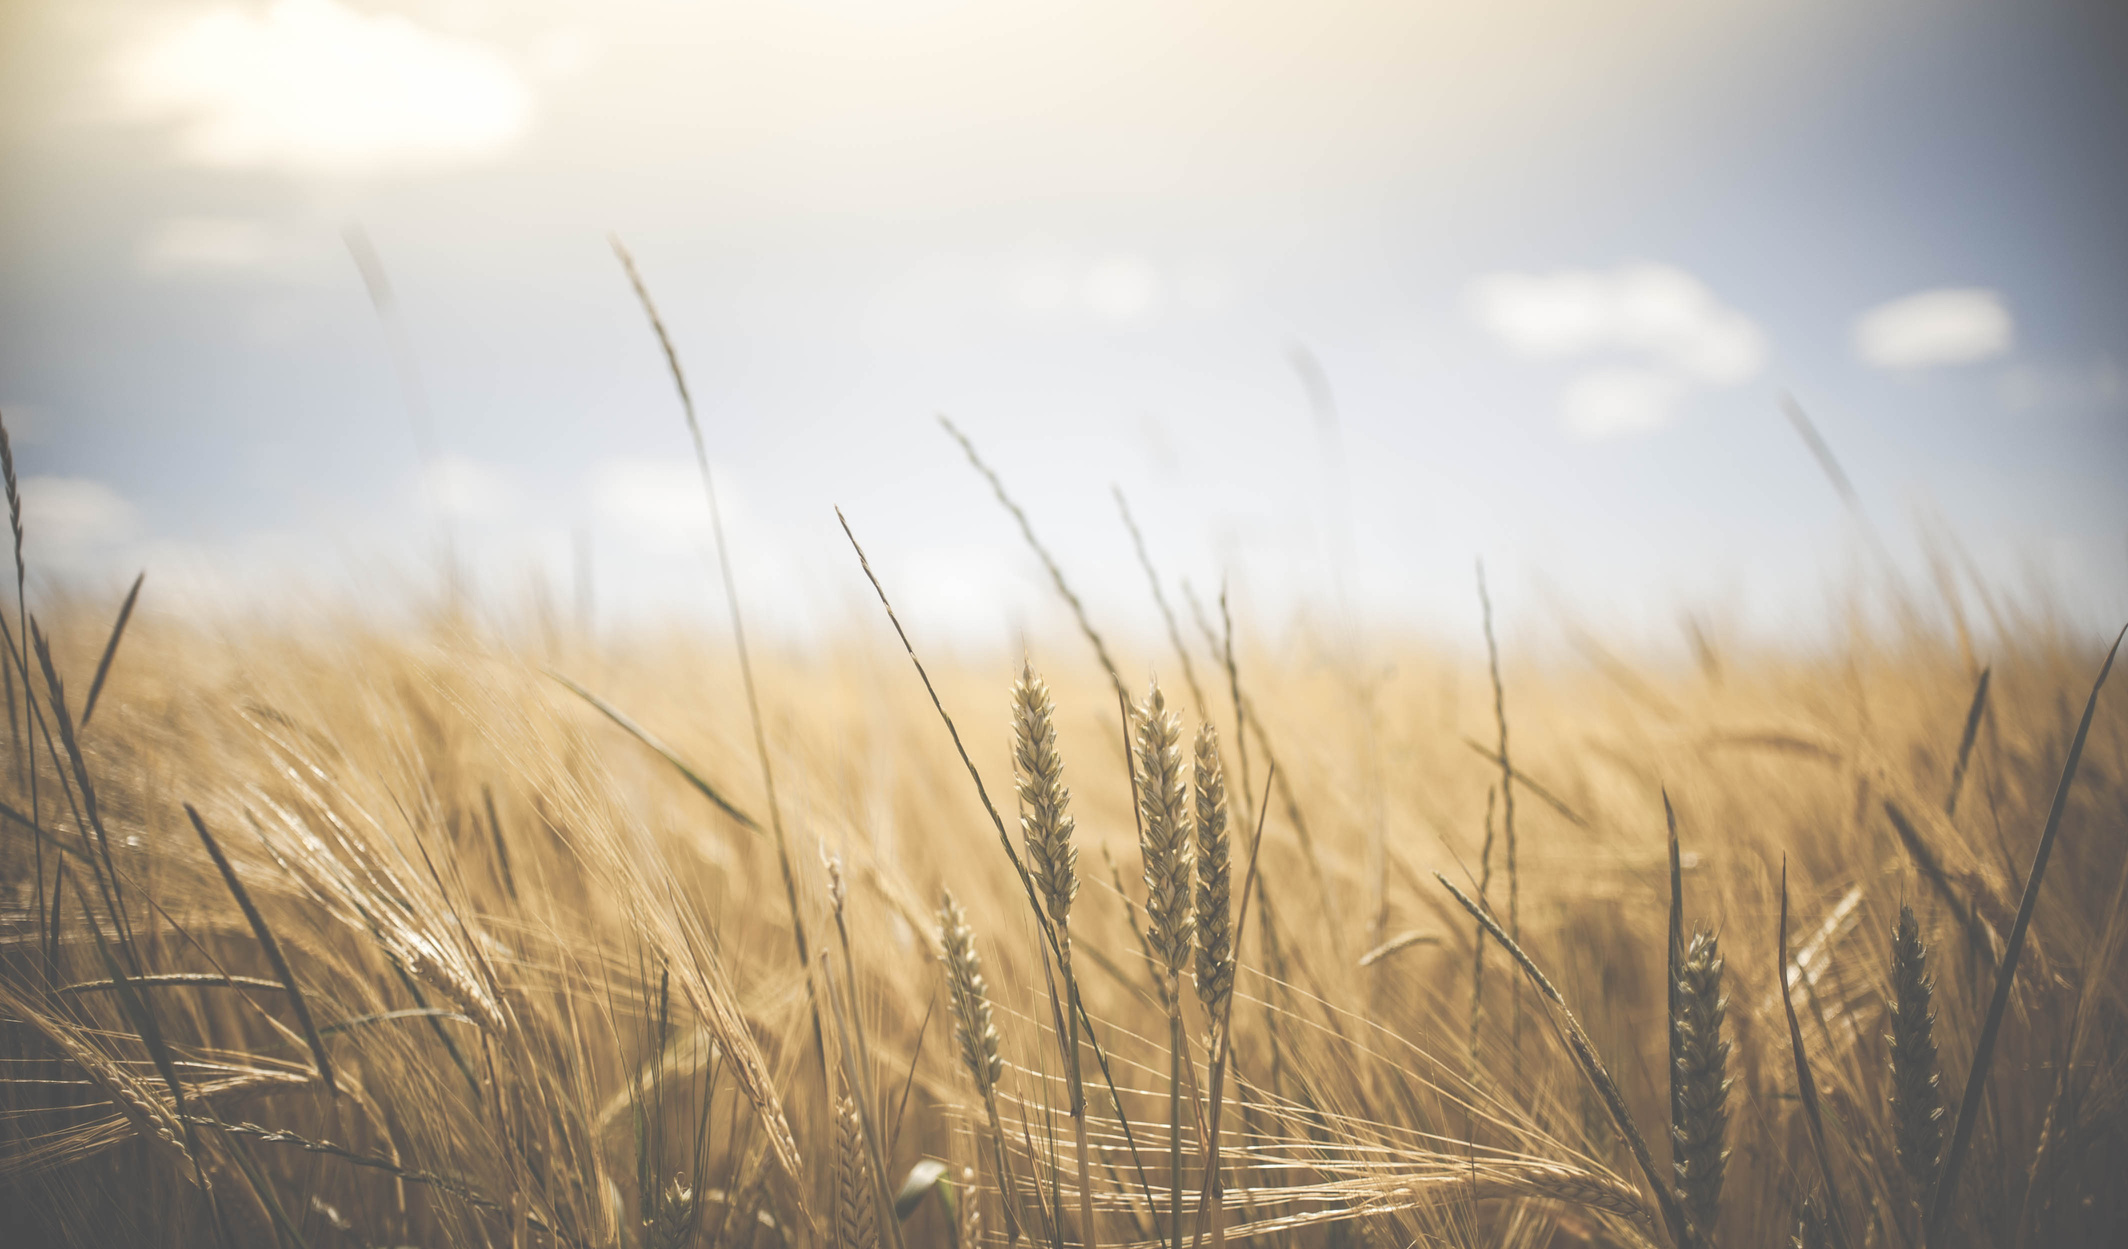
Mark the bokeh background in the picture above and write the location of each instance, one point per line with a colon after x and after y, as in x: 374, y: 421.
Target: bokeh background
x: 1341, y: 295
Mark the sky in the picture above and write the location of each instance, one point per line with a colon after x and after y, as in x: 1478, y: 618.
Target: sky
x: 1340, y: 297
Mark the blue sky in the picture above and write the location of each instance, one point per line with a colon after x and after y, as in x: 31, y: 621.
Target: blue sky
x: 1556, y: 261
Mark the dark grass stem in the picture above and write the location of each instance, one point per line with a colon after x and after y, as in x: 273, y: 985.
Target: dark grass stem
x: 1592, y: 1067
x: 1674, y: 958
x: 2006, y: 975
x: 110, y: 648
x: 1973, y: 716
x: 1807, y: 1087
x: 25, y: 750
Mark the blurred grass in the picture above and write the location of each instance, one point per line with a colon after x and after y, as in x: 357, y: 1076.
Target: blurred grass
x: 496, y: 1031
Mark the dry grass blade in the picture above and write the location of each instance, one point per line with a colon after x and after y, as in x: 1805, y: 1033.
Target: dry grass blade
x: 1991, y: 1027
x: 1821, y: 451
x: 1056, y: 574
x: 451, y: 1184
x: 738, y: 625
x: 138, y: 1011
x: 1167, y: 613
x: 1925, y: 859
x: 55, y: 693
x: 1398, y: 944
x: 1523, y: 778
x: 1674, y: 958
x: 1584, y: 1051
x: 110, y: 648
x: 197, y: 979
x: 1807, y: 1088
x: 1004, y: 838
x: 1507, y: 806
x: 1965, y: 741
x: 272, y: 949
x: 643, y: 735
x: 1477, y: 944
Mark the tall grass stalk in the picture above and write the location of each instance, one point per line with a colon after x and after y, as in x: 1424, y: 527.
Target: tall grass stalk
x: 1170, y: 923
x: 738, y: 628
x: 1046, y: 828
x: 1916, y: 1099
x: 2005, y: 976
x: 1507, y: 811
x: 1702, y: 1120
x: 977, y: 1035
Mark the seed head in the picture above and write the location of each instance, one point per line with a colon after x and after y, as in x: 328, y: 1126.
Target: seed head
x: 1163, y: 805
x: 1703, y: 1092
x: 1215, y: 926
x: 972, y: 1025
x: 1917, y: 1102
x: 856, y: 1210
x: 1045, y: 816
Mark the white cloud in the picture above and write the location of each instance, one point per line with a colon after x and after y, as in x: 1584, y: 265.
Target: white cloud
x: 1955, y: 325
x: 1685, y: 336
x: 1657, y: 310
x: 316, y: 85
x: 1119, y: 289
x: 467, y: 489
x: 1122, y: 289
x: 656, y: 500
x: 65, y: 519
x: 1610, y: 402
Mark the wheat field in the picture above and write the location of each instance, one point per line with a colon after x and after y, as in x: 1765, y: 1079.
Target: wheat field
x: 441, y: 933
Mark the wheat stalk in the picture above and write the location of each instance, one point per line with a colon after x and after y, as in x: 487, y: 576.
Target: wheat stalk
x: 977, y: 1033
x: 1916, y: 1095
x: 856, y: 1213
x: 1701, y: 1113
x: 1053, y: 861
x: 973, y: 1026
x: 1215, y: 924
x: 1215, y: 939
x: 1164, y: 833
x: 1045, y: 820
x: 1164, y: 841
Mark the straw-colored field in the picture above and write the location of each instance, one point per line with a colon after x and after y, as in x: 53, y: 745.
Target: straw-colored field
x: 535, y: 986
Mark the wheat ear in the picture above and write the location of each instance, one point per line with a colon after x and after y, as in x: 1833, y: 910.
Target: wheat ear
x: 1164, y: 834
x: 856, y: 1213
x: 1053, y: 861
x: 1045, y: 820
x: 977, y: 1033
x: 1916, y: 1098
x: 1215, y: 943
x: 1215, y: 921
x: 1164, y: 840
x: 1702, y: 1113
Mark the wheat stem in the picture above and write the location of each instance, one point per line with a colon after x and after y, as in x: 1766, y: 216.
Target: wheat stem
x: 1916, y: 1095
